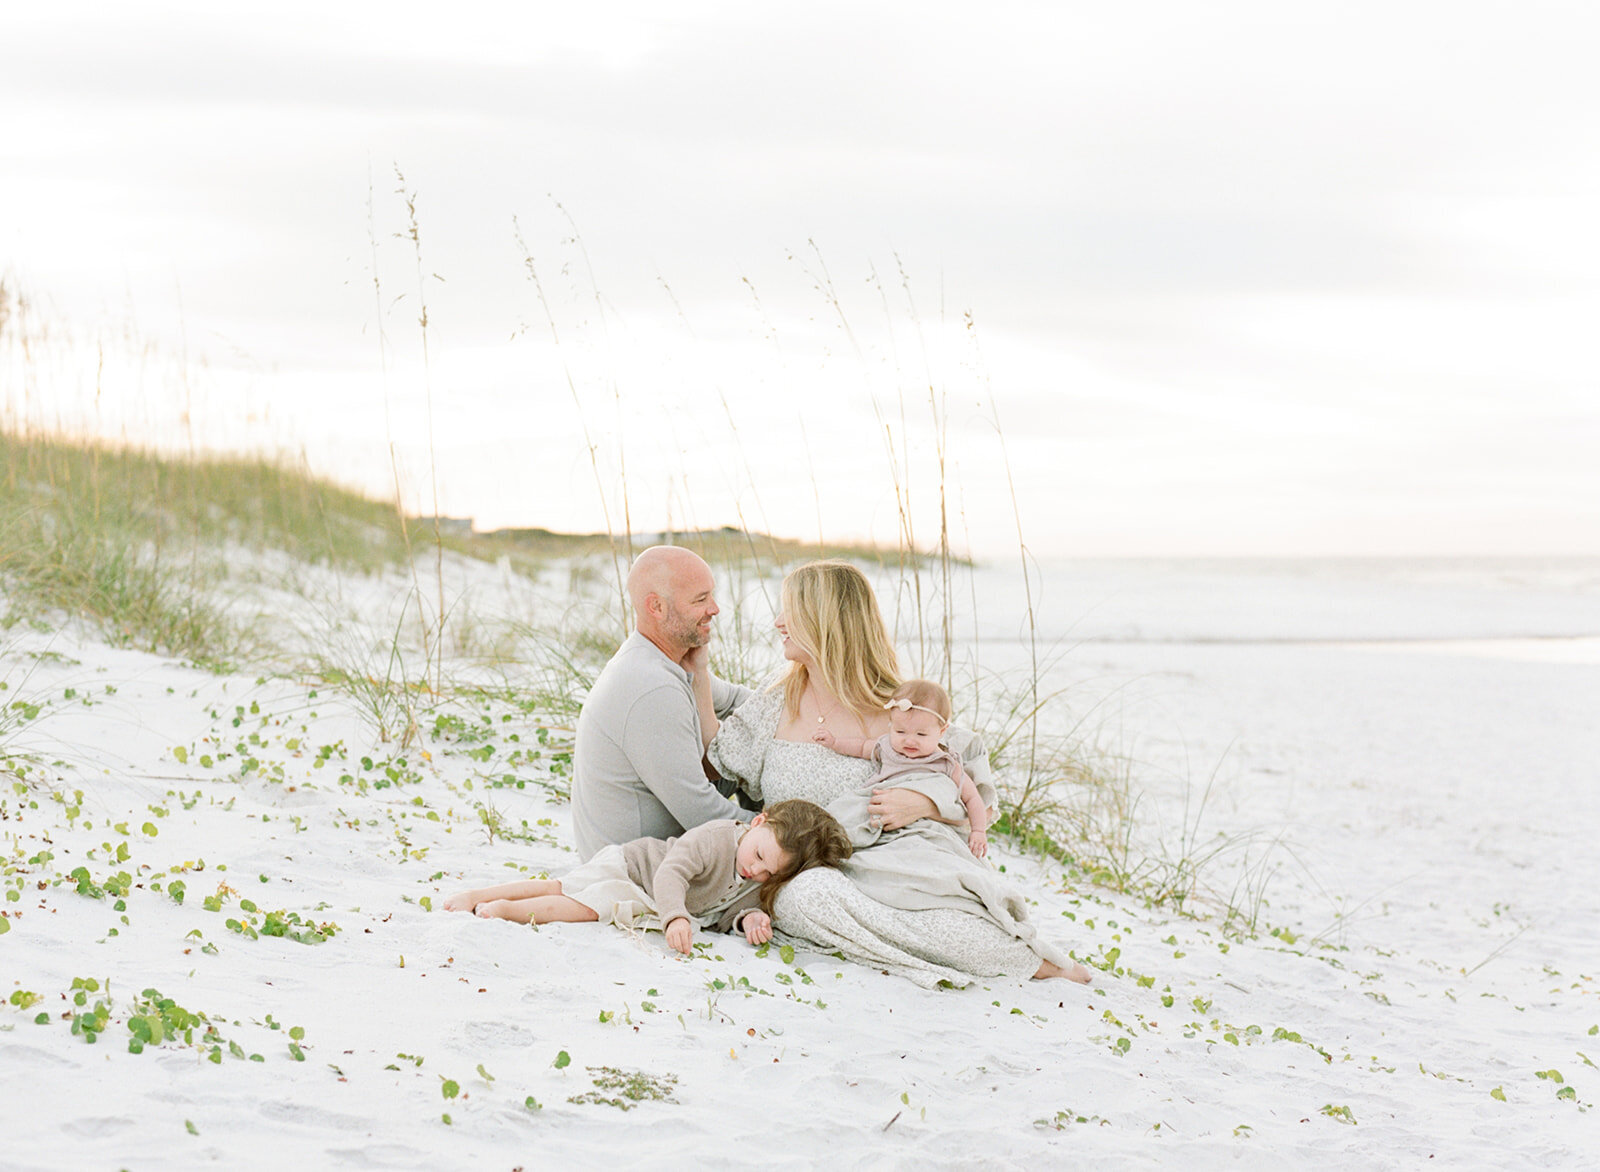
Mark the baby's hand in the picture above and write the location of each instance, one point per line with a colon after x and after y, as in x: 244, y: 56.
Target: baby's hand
x: 823, y: 737
x: 758, y: 927
x: 978, y: 843
x: 679, y: 934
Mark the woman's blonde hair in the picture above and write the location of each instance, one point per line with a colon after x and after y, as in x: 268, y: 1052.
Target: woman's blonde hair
x: 809, y: 835
x: 833, y: 617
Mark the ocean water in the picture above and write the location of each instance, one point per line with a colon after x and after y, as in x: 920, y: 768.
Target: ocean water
x: 1403, y: 734
x: 1516, y: 608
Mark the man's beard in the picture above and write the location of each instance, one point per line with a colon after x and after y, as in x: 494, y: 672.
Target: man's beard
x: 683, y: 631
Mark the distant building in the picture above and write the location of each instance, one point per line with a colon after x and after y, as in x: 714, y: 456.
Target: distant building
x: 448, y: 526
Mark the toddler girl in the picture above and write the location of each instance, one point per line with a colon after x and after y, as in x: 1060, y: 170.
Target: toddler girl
x: 724, y: 874
x: 919, y: 713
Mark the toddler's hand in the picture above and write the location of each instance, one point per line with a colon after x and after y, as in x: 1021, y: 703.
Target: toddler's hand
x: 758, y: 927
x: 679, y: 934
x: 823, y: 737
x: 978, y: 843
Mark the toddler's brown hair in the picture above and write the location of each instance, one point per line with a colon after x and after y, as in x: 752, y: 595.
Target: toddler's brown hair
x: 809, y: 836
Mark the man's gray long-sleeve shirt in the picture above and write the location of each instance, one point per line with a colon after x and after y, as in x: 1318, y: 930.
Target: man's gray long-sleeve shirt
x: 636, y: 769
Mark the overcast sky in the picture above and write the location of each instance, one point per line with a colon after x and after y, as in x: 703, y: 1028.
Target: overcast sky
x: 1268, y: 278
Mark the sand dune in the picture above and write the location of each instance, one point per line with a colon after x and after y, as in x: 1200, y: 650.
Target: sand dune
x: 1430, y: 996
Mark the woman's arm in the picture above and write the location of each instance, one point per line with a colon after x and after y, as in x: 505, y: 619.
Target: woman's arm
x: 698, y: 664
x: 898, y: 808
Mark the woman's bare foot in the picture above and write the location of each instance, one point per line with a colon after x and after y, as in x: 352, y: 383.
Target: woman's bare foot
x: 461, y: 901
x: 1073, y: 972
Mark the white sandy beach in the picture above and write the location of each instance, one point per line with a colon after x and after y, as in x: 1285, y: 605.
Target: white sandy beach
x: 1403, y: 765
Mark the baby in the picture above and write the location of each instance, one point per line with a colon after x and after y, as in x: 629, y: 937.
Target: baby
x: 725, y: 874
x: 919, y: 713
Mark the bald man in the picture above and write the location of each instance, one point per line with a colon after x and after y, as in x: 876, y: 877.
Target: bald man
x: 636, y: 769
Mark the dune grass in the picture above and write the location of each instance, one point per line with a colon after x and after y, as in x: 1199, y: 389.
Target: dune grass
x: 147, y: 545
x: 138, y: 543
x: 141, y: 545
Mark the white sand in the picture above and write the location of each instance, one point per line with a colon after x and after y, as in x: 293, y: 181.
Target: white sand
x: 1427, y: 822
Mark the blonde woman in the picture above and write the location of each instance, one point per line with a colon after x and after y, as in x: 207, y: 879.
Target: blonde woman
x: 916, y: 903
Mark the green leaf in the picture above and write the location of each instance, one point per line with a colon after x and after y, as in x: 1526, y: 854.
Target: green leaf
x: 563, y: 1060
x: 193, y: 1130
x: 296, y: 1053
x: 786, y: 951
x: 531, y: 1103
x: 1498, y: 1093
x: 450, y: 1089
x: 182, y: 756
x: 150, y: 829
x: 298, y: 1033
x: 1552, y: 1074
x: 484, y: 1074
x: 5, y: 925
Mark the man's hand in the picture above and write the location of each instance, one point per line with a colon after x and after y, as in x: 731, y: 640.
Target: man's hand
x: 758, y: 927
x: 896, y: 809
x: 680, y: 933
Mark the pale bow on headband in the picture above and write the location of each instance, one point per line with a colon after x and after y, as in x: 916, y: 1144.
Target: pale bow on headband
x: 905, y: 705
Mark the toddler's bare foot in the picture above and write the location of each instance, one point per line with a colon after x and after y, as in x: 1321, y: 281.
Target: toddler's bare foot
x: 461, y: 901
x: 494, y: 909
x: 1073, y: 972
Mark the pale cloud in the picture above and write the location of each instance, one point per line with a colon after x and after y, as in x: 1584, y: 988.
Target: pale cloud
x: 1231, y: 265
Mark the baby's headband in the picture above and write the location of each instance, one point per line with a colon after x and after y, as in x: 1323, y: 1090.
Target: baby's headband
x: 905, y: 705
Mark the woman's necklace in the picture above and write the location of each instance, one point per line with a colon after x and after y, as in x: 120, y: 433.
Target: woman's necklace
x: 822, y: 717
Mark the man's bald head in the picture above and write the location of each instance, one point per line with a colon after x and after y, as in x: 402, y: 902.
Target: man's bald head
x: 671, y: 591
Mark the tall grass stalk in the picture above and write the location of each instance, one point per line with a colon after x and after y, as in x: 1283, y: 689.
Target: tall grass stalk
x: 938, y: 408
x: 1024, y: 557
x: 414, y: 234
x: 616, y: 395
x: 379, y: 319
x: 583, y: 420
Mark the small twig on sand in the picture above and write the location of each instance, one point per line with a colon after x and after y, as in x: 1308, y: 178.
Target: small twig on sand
x: 1503, y: 945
